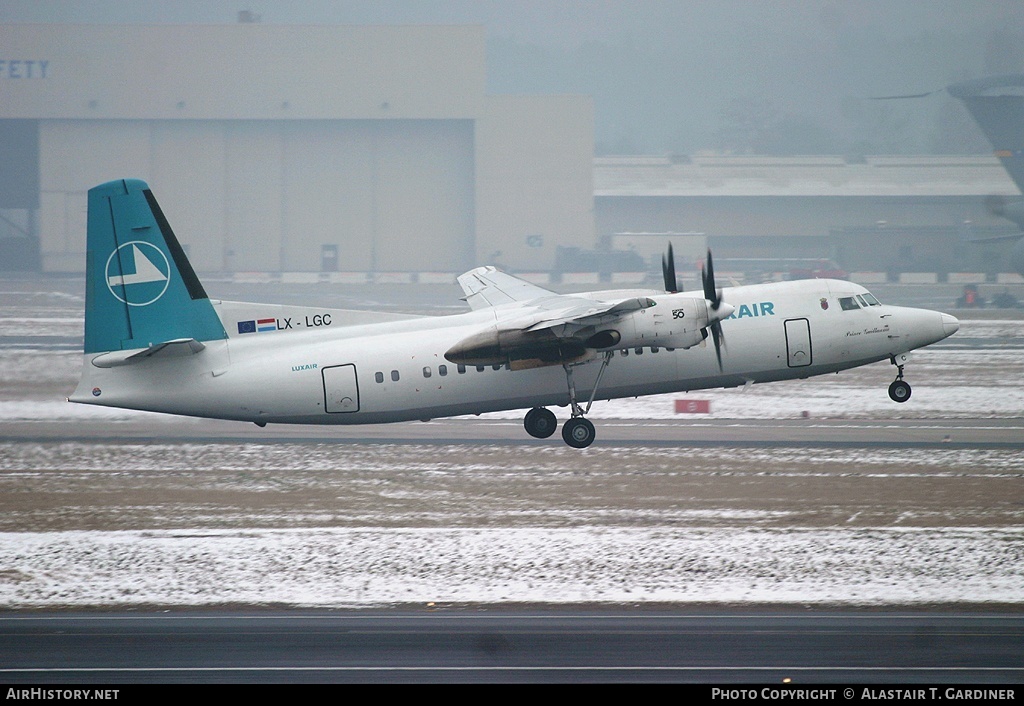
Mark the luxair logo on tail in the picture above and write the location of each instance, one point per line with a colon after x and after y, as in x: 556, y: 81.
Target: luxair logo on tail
x: 138, y: 273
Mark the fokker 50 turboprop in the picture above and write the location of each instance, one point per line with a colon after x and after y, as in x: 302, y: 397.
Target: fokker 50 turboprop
x: 155, y: 341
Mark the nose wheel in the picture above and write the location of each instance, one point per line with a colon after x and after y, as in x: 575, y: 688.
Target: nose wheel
x: 899, y: 391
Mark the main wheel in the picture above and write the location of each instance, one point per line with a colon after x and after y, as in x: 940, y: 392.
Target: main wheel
x: 899, y: 391
x: 540, y: 422
x: 578, y: 432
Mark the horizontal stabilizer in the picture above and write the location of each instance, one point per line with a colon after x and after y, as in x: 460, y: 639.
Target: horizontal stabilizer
x: 178, y: 348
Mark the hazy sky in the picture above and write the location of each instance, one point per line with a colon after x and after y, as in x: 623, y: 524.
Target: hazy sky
x: 685, y: 76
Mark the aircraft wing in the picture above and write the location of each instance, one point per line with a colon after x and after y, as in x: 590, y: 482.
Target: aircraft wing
x: 488, y: 286
x: 578, y: 311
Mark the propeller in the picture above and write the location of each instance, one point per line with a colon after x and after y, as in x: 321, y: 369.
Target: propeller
x: 668, y: 271
x: 714, y: 297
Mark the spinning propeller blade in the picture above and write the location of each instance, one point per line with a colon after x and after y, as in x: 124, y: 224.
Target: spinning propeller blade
x: 668, y: 271
x: 714, y: 297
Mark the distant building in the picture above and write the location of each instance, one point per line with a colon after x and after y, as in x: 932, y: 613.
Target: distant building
x: 885, y: 213
x: 276, y: 148
x: 291, y: 148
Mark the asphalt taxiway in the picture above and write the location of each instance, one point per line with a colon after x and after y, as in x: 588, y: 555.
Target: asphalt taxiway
x: 775, y: 648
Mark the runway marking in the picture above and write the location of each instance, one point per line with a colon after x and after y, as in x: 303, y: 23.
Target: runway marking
x: 442, y: 612
x: 435, y: 614
x: 511, y: 669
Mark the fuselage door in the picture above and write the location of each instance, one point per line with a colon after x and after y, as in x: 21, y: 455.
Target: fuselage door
x: 341, y: 391
x: 798, y: 342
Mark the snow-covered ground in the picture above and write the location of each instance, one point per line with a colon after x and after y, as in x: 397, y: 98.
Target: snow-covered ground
x: 378, y: 566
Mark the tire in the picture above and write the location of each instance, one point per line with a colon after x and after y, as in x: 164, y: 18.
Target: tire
x: 540, y: 423
x: 578, y: 432
x: 899, y: 391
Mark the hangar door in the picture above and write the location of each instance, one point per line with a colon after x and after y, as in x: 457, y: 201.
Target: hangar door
x: 341, y: 391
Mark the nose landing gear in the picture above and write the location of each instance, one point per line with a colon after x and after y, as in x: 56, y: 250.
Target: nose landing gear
x: 899, y: 390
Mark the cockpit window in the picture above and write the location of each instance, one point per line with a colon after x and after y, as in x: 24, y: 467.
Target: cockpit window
x: 848, y: 303
x: 871, y: 300
x: 863, y: 303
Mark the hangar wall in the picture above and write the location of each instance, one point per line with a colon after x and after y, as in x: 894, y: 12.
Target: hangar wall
x: 281, y: 148
x: 534, y: 171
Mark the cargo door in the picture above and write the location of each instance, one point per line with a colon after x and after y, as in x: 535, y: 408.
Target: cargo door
x: 798, y: 342
x: 341, y: 392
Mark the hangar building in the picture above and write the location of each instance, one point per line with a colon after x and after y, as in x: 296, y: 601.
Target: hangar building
x: 291, y: 148
x: 901, y: 213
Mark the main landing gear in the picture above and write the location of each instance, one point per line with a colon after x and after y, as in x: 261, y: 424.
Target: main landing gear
x: 578, y: 431
x: 899, y: 390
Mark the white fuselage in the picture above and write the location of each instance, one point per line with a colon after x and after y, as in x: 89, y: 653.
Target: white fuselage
x: 396, y: 370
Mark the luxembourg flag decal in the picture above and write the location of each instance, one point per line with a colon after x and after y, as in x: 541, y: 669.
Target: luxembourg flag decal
x: 257, y: 325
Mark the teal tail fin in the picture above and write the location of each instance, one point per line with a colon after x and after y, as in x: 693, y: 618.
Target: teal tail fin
x: 140, y: 288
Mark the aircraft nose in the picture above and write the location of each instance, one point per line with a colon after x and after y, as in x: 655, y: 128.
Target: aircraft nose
x: 950, y: 324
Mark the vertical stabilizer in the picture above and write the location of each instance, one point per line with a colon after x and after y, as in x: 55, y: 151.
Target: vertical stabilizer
x: 997, y: 104
x: 140, y: 288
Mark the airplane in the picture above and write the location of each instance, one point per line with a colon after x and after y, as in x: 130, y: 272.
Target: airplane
x: 155, y: 341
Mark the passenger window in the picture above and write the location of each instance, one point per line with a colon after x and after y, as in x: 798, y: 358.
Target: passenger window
x: 848, y: 303
x: 442, y: 370
x: 394, y: 376
x: 379, y: 377
x: 654, y: 349
x: 496, y: 366
x: 639, y: 351
x: 479, y: 368
x: 625, y: 352
x: 461, y: 369
x: 426, y: 371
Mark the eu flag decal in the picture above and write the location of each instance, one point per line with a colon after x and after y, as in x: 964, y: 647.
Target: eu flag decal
x: 247, y: 327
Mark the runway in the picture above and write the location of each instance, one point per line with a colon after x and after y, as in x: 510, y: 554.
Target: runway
x: 897, y: 433
x: 772, y: 648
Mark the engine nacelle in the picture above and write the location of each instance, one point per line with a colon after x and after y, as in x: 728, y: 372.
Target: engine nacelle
x: 674, y: 322
x: 518, y: 349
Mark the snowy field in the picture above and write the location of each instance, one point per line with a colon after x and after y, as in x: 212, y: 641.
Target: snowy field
x: 96, y: 523
x: 334, y: 567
